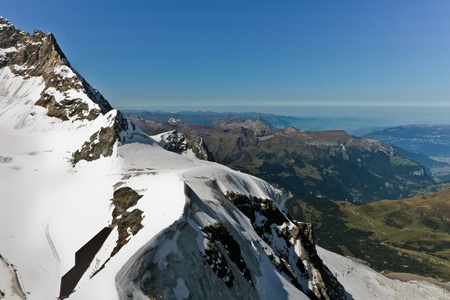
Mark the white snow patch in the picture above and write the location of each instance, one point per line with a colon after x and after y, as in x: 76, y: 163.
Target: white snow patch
x: 361, y: 282
x: 17, y: 87
x: 4, y: 52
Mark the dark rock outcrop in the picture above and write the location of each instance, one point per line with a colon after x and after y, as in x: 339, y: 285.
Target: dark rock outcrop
x: 179, y: 142
x: 126, y: 221
x: 102, y: 142
x: 214, y: 253
x: 220, y: 240
x: 277, y: 231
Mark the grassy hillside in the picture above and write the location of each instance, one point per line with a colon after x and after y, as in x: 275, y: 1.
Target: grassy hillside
x: 410, y: 235
x: 418, y: 226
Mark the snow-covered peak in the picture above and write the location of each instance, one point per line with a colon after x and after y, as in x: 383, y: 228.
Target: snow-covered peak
x: 57, y: 86
x: 41, y: 92
x: 5, y: 22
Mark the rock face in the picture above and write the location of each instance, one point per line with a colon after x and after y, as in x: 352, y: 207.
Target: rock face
x: 102, y: 142
x: 127, y: 221
x: 181, y: 143
x: 283, y: 235
x: 39, y: 55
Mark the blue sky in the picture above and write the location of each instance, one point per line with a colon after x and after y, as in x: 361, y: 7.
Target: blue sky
x: 190, y: 54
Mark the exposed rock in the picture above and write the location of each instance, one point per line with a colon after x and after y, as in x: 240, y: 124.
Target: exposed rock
x: 219, y: 263
x: 179, y: 142
x: 5, y: 159
x: 127, y: 222
x: 220, y: 241
x: 39, y: 55
x: 283, y: 236
x: 100, y: 144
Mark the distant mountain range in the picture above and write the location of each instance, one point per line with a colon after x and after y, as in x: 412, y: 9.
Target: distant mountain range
x: 210, y: 118
x: 355, y: 126
x: 426, y: 144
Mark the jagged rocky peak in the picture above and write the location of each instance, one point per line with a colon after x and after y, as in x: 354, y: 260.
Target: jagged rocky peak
x: 29, y: 55
x: 35, y: 73
x: 61, y: 89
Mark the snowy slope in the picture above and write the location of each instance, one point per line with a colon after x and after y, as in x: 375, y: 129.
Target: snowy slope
x: 361, y: 282
x: 178, y: 227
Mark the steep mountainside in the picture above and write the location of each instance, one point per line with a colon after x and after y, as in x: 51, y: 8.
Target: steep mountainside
x: 95, y: 209
x: 323, y: 164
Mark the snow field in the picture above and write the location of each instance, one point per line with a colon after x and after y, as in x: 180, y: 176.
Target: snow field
x: 363, y: 283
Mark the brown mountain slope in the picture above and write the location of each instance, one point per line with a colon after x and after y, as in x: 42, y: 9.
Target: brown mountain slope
x: 323, y: 164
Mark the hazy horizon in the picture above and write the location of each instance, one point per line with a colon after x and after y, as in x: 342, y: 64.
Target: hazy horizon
x: 352, y: 118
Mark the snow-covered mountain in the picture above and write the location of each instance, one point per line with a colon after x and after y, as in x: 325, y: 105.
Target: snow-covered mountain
x: 92, y: 208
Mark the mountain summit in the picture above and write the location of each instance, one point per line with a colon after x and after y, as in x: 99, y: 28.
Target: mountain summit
x: 39, y: 55
x: 96, y: 209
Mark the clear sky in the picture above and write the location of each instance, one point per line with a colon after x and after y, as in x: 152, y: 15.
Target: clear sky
x: 150, y: 54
